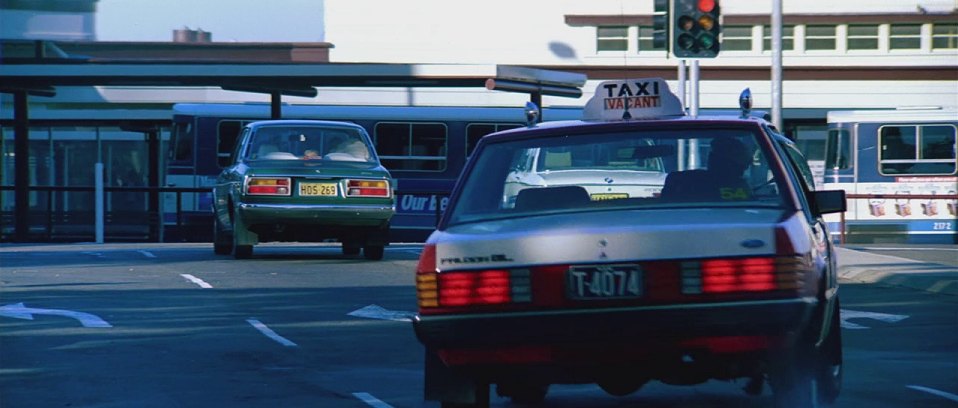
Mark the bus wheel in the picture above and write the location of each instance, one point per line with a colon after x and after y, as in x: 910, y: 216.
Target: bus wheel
x: 373, y: 252
x: 222, y: 241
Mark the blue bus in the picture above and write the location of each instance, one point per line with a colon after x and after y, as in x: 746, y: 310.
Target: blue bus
x: 424, y: 148
x: 894, y: 164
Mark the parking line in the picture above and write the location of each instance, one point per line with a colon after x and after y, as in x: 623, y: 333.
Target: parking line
x: 196, y: 280
x: 945, y: 395
x: 147, y: 254
x: 270, y: 333
x: 371, y: 400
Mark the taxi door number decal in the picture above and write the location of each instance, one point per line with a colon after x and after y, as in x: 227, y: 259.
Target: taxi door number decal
x: 604, y: 282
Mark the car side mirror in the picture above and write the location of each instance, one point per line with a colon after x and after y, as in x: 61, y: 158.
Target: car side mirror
x: 828, y: 201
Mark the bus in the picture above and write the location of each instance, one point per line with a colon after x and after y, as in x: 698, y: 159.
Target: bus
x: 894, y: 164
x: 424, y: 148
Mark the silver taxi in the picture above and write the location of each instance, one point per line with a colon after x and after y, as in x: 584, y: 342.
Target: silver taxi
x: 718, y: 267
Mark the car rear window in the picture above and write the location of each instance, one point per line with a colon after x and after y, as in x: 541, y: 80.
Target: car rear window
x: 308, y: 143
x: 620, y: 170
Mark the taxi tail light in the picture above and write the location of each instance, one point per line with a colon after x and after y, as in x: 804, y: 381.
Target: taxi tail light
x: 367, y: 188
x: 427, y: 279
x: 271, y: 186
x: 489, y: 287
x: 742, y: 275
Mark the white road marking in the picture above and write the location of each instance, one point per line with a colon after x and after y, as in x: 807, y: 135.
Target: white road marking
x: 945, y: 395
x: 270, y: 333
x: 147, y: 254
x: 371, y: 400
x: 855, y: 314
x: 196, y: 280
x: 378, y: 312
x: 908, y: 249
x: 19, y: 311
x: 96, y: 254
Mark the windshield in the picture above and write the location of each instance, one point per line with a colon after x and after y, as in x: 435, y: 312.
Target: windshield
x: 308, y: 143
x: 594, y: 172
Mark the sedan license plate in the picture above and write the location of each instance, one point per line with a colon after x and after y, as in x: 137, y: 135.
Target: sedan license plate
x: 604, y: 282
x: 317, y: 189
x: 608, y: 196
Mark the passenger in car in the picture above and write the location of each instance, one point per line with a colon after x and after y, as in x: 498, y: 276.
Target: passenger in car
x: 722, y: 180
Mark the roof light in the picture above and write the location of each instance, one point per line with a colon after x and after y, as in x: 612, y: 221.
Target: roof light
x: 632, y: 99
x: 745, y: 102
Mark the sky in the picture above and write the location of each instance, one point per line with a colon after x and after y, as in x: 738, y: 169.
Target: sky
x: 227, y: 20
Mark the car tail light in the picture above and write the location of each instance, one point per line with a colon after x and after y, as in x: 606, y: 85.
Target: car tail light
x: 367, y: 188
x: 437, y: 291
x: 273, y: 186
x: 752, y: 274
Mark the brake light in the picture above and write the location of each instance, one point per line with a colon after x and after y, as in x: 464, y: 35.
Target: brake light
x: 367, y: 188
x: 474, y: 288
x: 754, y: 274
x: 274, y: 186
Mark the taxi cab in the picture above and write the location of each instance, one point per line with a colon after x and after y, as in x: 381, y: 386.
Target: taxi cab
x: 682, y: 250
x: 303, y: 180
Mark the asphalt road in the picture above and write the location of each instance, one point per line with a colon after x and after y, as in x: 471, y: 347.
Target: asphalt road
x: 172, y: 325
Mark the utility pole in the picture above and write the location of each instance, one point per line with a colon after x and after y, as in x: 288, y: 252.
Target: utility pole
x: 777, y: 64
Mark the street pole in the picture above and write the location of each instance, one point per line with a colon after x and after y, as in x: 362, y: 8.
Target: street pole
x: 777, y: 64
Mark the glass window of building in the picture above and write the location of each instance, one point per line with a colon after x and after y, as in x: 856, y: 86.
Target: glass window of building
x: 905, y: 37
x: 645, y: 40
x: 863, y: 37
x: 788, y: 38
x: 737, y: 38
x: 612, y: 39
x: 944, y: 36
x: 820, y: 37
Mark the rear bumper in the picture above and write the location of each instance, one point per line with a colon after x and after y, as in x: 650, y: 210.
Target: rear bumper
x: 316, y: 214
x: 653, y: 327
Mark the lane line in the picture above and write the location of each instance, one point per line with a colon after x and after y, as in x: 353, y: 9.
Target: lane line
x: 196, y: 280
x: 270, y: 333
x: 146, y: 253
x: 945, y: 395
x: 371, y: 400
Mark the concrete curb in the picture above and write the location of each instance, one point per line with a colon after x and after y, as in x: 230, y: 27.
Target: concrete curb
x: 864, y: 267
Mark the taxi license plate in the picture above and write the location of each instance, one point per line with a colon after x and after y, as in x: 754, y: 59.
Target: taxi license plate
x: 317, y: 189
x: 608, y: 196
x: 604, y: 282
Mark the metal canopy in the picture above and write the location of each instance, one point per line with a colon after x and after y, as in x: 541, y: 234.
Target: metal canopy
x: 41, y: 76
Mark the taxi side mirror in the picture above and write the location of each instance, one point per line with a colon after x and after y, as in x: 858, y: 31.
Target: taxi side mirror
x: 828, y: 201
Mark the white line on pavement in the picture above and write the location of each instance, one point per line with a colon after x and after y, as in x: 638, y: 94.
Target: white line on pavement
x: 196, y: 280
x: 270, y: 333
x: 147, y: 254
x: 945, y: 395
x: 371, y: 400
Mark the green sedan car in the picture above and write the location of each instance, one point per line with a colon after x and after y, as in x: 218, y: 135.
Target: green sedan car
x: 303, y: 181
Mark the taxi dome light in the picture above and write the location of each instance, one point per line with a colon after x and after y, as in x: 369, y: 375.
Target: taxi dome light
x: 532, y: 114
x: 745, y: 102
x: 644, y: 98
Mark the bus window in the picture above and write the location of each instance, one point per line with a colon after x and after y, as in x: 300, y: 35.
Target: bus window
x: 411, y: 146
x: 475, y: 131
x: 917, y: 149
x: 837, y: 149
x: 182, y: 142
x: 226, y: 133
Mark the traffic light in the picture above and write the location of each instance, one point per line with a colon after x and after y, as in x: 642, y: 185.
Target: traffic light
x: 660, y: 25
x: 696, y: 28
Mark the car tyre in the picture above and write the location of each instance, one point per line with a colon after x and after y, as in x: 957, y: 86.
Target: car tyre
x: 829, y: 371
x: 481, y: 399
x: 526, y: 394
x: 374, y: 252
x: 222, y: 241
x: 351, y: 248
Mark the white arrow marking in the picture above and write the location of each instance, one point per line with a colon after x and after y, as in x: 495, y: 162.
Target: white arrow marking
x: 371, y: 400
x: 377, y: 312
x: 19, y: 311
x: 196, y: 280
x: 270, y: 333
x: 855, y: 314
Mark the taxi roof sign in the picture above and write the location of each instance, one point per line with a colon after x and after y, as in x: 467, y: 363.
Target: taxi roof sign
x: 632, y: 99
